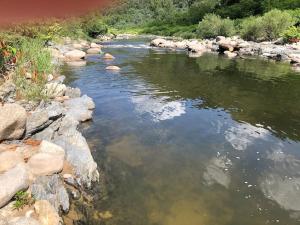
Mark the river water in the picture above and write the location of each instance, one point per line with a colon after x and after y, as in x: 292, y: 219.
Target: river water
x: 193, y: 141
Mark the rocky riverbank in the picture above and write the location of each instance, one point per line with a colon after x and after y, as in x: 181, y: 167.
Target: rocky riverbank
x: 233, y: 47
x: 45, y: 162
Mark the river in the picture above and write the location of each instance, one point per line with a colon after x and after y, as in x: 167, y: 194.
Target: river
x: 193, y: 141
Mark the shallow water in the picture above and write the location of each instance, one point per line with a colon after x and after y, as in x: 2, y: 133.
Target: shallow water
x: 185, y: 141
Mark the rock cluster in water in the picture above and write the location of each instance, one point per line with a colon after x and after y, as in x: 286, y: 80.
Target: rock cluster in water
x: 233, y: 47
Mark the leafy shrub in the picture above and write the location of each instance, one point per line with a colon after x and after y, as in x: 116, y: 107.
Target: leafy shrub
x: 251, y: 28
x: 292, y: 34
x: 275, y: 22
x: 213, y: 25
x: 94, y: 26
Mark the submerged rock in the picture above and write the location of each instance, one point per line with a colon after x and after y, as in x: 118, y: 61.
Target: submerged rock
x: 116, y: 68
x: 12, y: 181
x: 51, y: 188
x: 12, y: 121
x: 108, y: 56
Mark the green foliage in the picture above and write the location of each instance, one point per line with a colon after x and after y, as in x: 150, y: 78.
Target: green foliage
x: 292, y: 34
x: 36, y: 60
x: 213, y: 25
x: 268, y: 27
x: 93, y: 26
x: 251, y: 28
x: 22, y: 199
x: 275, y: 22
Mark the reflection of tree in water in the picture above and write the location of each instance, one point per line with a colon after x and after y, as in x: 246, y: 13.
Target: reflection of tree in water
x: 254, y: 91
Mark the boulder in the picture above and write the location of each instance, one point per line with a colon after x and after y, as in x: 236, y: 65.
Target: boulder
x: 220, y: 38
x: 77, y: 46
x: 9, y: 160
x: 108, y: 56
x: 46, y: 213
x: 230, y: 54
x: 195, y: 48
x: 93, y: 51
x: 75, y: 55
x: 12, y: 121
x: 78, y: 153
x: 115, y: 68
x: 51, y: 189
x: 50, y: 148
x: 46, y: 164
x: 94, y: 45
x: 73, y: 92
x: 295, y: 58
x: 54, y: 89
x: 7, y: 91
x: 23, y: 221
x: 60, y: 79
x: 80, y: 108
x: 37, y: 121
x: 158, y: 42
x: 12, y: 181
x: 77, y: 63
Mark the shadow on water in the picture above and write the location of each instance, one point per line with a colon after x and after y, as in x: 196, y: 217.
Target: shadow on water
x: 187, y: 141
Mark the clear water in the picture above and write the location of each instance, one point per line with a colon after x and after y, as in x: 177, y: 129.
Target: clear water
x: 185, y: 141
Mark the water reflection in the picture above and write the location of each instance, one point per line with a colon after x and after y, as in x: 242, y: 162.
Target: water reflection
x: 195, y: 141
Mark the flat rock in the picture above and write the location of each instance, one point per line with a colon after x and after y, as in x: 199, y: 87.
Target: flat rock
x: 12, y: 181
x: 94, y: 45
x: 75, y: 55
x: 93, y: 51
x: 12, y: 121
x: 45, y: 164
x: 51, y: 188
x: 9, y: 160
x: 46, y: 213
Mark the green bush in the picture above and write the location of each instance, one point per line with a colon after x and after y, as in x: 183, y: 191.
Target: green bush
x: 251, y: 28
x: 94, y: 26
x: 213, y: 25
x: 292, y: 34
x: 275, y: 22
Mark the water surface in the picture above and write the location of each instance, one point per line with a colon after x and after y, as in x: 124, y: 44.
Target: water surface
x: 194, y: 141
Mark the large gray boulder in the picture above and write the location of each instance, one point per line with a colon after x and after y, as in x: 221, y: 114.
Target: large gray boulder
x: 12, y: 181
x: 78, y: 153
x: 80, y: 108
x: 12, y: 121
x: 51, y: 188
